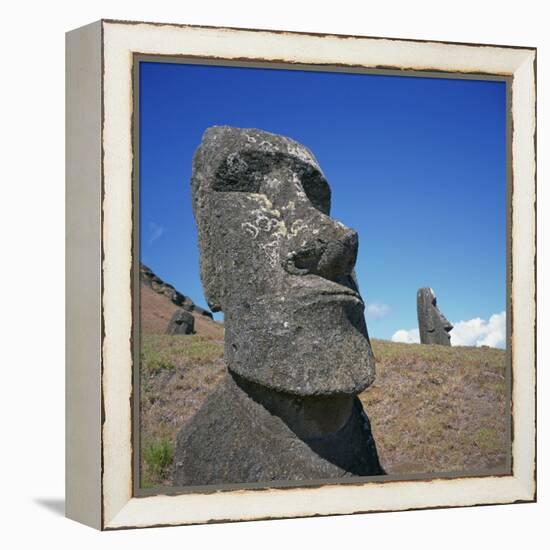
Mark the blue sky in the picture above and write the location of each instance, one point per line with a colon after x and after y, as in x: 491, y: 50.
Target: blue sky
x: 416, y: 165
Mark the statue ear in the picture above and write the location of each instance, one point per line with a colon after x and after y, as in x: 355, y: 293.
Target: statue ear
x: 211, y: 275
x: 213, y: 301
x: 430, y: 325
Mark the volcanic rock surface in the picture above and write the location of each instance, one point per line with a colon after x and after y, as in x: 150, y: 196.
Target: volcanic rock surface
x: 432, y: 324
x: 297, y: 351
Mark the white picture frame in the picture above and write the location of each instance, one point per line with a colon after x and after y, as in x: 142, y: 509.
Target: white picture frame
x: 99, y: 388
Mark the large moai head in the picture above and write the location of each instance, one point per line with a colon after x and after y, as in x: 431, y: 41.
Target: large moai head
x: 433, y: 326
x: 278, y: 266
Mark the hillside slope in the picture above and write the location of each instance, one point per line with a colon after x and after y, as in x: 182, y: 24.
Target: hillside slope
x: 160, y: 300
x: 439, y: 409
x: 432, y: 408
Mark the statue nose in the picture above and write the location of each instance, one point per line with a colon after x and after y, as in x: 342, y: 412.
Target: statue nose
x: 331, y: 259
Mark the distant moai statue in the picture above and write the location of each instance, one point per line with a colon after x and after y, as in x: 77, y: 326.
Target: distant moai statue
x: 297, y: 352
x: 182, y: 322
x: 433, y: 325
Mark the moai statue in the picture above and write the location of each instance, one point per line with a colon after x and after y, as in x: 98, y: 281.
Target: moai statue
x: 182, y: 322
x: 296, y: 345
x: 432, y: 324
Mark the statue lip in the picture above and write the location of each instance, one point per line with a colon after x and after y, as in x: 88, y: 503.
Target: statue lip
x: 344, y: 292
x: 332, y: 290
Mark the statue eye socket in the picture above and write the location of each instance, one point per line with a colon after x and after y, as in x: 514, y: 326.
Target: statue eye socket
x: 238, y: 173
x: 317, y: 190
x: 244, y: 172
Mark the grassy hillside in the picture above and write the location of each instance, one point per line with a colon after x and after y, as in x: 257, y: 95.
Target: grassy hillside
x: 438, y: 409
x: 432, y: 409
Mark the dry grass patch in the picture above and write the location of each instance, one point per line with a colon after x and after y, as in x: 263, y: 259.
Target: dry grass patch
x: 177, y: 373
x: 432, y: 408
x: 439, y: 409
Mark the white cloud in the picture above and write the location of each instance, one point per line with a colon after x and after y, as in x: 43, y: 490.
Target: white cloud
x: 377, y: 311
x: 406, y: 336
x: 475, y: 332
x: 478, y: 332
x: 155, y: 232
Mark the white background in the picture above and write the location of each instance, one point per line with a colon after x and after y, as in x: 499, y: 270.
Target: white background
x: 32, y: 272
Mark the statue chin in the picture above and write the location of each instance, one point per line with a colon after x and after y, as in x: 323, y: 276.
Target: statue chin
x: 319, y: 349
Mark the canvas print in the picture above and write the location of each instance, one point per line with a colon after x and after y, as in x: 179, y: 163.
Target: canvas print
x: 322, y: 276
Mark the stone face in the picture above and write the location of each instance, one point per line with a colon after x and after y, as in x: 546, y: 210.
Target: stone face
x: 182, y: 322
x: 433, y: 326
x: 296, y: 344
x: 278, y: 265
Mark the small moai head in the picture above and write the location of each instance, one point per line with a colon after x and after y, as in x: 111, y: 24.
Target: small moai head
x: 433, y: 326
x: 278, y: 266
x: 182, y: 322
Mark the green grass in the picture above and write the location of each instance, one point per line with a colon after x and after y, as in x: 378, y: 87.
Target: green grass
x: 487, y: 439
x: 155, y: 364
x: 157, y: 457
x: 407, y: 354
x: 177, y: 373
x: 160, y: 351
